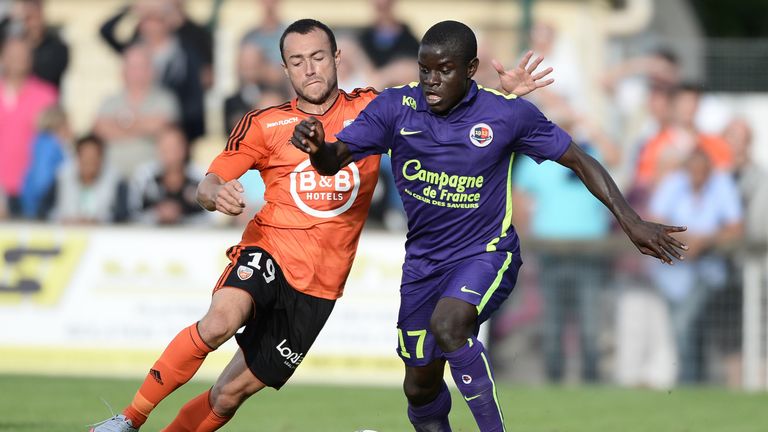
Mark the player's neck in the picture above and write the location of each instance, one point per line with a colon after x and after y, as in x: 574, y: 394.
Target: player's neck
x: 318, y: 109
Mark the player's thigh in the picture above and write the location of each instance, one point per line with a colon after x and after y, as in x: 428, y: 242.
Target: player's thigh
x: 277, y: 340
x: 230, y: 308
x: 484, y: 281
x: 453, y: 322
x: 251, y: 278
x: 416, y: 344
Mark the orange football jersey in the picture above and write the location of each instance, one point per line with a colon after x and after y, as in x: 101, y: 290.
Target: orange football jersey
x: 310, y: 223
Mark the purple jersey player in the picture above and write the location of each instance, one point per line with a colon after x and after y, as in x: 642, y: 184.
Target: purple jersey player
x: 452, y: 144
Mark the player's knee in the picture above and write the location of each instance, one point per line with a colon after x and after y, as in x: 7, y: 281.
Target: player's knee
x: 451, y: 330
x: 225, y: 400
x: 420, y: 393
x: 216, y: 328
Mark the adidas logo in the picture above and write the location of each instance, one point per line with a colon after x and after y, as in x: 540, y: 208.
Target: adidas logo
x: 156, y: 375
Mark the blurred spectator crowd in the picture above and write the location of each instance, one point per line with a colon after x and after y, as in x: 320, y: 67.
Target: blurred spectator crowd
x: 134, y: 165
x: 664, y: 324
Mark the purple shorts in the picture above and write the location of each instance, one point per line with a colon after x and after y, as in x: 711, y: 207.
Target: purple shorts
x: 484, y: 280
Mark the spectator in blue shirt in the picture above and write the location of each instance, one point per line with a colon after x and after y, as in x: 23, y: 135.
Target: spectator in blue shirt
x: 708, y: 203
x: 559, y: 207
x: 49, y: 151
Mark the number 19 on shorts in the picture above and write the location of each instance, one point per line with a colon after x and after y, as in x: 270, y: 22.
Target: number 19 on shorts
x: 269, y: 273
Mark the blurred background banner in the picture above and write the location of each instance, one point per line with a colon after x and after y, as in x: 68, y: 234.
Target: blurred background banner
x: 111, y: 110
x: 104, y: 301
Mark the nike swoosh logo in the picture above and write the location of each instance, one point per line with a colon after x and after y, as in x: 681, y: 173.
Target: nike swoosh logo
x: 407, y: 132
x: 467, y: 290
x: 471, y: 398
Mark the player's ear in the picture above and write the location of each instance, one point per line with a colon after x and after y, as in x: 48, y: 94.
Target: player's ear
x: 285, y: 69
x: 337, y: 57
x: 472, y: 68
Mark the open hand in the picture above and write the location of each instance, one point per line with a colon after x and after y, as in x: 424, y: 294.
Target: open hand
x: 308, y: 136
x: 523, y: 79
x: 656, y: 240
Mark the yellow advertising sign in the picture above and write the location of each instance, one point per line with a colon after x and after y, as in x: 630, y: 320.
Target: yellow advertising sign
x: 37, y: 266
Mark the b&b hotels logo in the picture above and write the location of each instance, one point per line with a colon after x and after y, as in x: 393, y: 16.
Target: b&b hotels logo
x: 324, y: 196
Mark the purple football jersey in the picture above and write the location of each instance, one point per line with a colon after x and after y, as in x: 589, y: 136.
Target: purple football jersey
x: 453, y: 171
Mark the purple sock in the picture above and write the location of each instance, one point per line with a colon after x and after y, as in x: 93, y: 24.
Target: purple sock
x: 472, y: 373
x: 432, y: 417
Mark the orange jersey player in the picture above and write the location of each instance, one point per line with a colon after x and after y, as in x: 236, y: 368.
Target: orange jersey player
x: 295, y: 255
x: 303, y: 208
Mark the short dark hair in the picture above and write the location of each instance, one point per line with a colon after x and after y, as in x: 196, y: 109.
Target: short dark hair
x: 306, y: 26
x: 454, y: 36
x: 89, y: 139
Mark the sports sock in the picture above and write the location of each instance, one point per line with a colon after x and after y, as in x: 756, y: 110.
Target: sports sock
x: 178, y: 363
x: 432, y: 417
x: 197, y: 415
x: 473, y: 376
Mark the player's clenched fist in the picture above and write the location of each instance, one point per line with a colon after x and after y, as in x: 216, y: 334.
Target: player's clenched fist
x: 213, y: 194
x: 308, y: 135
x: 229, y: 198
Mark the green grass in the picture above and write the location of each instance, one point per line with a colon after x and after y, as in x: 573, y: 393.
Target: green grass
x: 48, y: 404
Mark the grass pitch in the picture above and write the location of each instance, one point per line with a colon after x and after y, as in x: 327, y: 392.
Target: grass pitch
x: 53, y: 404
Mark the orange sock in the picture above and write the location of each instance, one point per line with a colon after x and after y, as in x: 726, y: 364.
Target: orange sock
x: 197, y: 416
x: 178, y: 363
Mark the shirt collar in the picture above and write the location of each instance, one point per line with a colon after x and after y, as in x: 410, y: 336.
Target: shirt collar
x: 421, y: 101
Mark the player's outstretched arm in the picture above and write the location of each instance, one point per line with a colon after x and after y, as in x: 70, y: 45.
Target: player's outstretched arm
x: 327, y: 157
x: 213, y: 193
x: 523, y: 79
x: 650, y: 238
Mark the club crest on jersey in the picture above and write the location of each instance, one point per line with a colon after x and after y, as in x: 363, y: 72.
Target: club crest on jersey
x: 466, y: 379
x: 244, y: 272
x: 481, y: 135
x: 324, y: 196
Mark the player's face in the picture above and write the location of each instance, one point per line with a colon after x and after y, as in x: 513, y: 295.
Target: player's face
x: 310, y: 65
x: 445, y: 78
